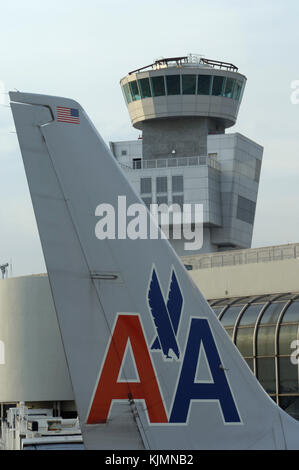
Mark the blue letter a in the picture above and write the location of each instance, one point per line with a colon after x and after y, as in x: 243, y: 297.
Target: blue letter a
x: 189, y: 390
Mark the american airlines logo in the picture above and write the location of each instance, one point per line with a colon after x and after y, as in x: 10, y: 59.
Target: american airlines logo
x: 128, y: 332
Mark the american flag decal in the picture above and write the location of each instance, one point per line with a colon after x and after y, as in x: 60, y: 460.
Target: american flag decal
x: 69, y: 115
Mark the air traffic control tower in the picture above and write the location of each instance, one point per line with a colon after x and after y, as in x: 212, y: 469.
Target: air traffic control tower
x: 183, y: 106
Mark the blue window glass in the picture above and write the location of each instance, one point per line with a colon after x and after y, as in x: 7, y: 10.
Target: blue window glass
x: 134, y: 90
x: 229, y: 87
x: 173, y: 84
x: 127, y: 93
x: 158, y: 86
x: 244, y: 341
x: 250, y: 315
x: 272, y: 313
x: 266, y: 341
x: 292, y: 313
x: 287, y: 334
x: 218, y: 83
x: 145, y: 89
x: 189, y: 84
x: 230, y: 315
x: 237, y: 90
x: 204, y: 84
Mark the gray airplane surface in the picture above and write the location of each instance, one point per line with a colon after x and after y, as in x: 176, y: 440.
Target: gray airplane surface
x: 150, y: 364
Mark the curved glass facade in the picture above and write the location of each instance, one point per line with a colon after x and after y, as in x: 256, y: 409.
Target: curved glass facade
x: 265, y: 330
x: 183, y: 84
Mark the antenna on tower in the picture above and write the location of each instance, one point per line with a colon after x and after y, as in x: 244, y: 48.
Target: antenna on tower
x: 3, y: 268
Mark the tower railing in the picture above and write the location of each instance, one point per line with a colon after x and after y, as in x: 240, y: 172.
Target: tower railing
x: 171, y: 162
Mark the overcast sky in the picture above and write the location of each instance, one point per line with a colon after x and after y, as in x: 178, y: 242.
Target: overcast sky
x: 81, y: 49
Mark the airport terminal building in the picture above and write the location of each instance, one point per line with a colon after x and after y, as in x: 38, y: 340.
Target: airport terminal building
x: 183, y: 107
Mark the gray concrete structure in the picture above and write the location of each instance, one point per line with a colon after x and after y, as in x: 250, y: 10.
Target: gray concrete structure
x: 183, y: 106
x: 179, y: 101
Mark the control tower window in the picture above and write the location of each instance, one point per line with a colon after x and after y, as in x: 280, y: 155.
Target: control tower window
x: 229, y: 87
x: 189, y: 84
x: 173, y: 84
x: 158, y: 86
x: 217, y: 85
x: 127, y: 93
x: 134, y: 91
x: 237, y: 91
x: 161, y: 183
x: 246, y: 210
x: 146, y: 185
x: 204, y: 84
x: 145, y: 89
x: 177, y: 184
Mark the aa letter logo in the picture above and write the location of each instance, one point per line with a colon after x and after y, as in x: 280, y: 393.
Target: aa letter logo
x: 128, y: 332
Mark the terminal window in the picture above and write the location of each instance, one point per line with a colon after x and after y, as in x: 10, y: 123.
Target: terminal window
x: 263, y: 328
x: 145, y: 185
x: 161, y: 184
x: 177, y: 184
x: 246, y: 210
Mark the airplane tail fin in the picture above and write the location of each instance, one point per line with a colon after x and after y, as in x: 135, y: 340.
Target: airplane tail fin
x: 150, y: 364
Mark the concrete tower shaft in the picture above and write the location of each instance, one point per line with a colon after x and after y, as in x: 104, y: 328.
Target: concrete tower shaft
x: 178, y: 102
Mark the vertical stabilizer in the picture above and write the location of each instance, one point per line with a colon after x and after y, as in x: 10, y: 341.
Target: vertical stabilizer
x: 150, y: 364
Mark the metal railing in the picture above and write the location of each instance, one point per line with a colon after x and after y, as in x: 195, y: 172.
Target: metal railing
x: 194, y: 59
x: 171, y: 162
x: 237, y: 257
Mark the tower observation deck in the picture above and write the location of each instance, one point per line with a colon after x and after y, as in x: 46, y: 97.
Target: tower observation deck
x: 183, y: 106
x: 177, y: 102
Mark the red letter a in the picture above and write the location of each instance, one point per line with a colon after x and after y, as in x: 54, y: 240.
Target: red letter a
x: 108, y: 389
